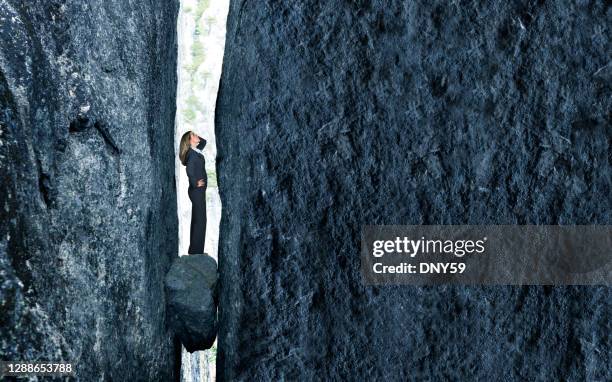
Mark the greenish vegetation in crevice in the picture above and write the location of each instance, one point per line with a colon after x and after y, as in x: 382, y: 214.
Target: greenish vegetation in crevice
x: 193, y: 109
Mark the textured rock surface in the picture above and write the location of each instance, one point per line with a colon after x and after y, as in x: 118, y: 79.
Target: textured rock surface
x: 191, y: 292
x: 336, y: 114
x: 87, y: 196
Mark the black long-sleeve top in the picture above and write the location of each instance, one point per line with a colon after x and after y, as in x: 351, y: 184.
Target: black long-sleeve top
x: 196, y: 169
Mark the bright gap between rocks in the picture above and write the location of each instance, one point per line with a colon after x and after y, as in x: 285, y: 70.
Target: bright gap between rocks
x: 201, y: 40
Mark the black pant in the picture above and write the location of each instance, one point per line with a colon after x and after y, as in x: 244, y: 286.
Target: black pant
x: 198, y: 219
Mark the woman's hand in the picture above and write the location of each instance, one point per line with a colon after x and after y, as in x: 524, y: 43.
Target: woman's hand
x: 201, y: 183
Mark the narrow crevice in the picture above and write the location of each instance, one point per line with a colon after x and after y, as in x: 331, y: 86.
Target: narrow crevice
x: 201, y: 37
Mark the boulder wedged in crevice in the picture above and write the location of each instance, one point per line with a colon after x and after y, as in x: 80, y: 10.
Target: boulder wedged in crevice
x: 192, y: 299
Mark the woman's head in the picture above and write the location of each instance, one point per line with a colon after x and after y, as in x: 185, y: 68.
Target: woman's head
x: 187, y: 140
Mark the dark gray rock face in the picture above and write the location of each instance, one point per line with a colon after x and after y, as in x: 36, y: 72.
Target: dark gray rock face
x: 191, y: 291
x: 336, y: 114
x: 87, y: 196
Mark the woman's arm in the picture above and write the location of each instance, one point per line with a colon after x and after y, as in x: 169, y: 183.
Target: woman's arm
x: 191, y: 173
x: 202, y: 143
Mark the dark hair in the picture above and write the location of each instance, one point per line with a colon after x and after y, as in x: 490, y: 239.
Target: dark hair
x: 184, y: 147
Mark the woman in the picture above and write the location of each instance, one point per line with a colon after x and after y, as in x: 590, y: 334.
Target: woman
x: 191, y: 156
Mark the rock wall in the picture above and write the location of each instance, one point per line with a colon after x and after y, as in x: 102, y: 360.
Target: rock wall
x: 87, y: 196
x: 336, y: 114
